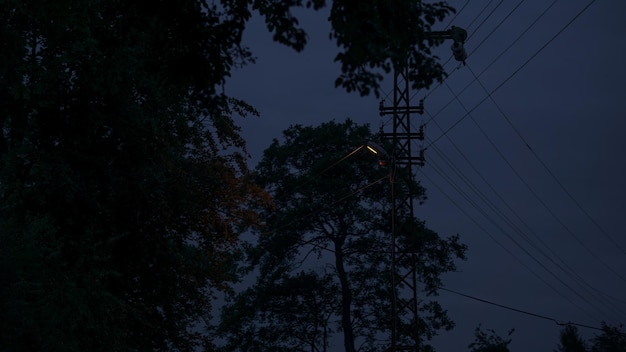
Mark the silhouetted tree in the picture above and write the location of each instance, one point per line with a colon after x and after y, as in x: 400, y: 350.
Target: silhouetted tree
x: 490, y: 341
x: 612, y: 339
x: 375, y: 36
x: 288, y: 313
x: 122, y: 173
x: 332, y: 222
x: 570, y: 340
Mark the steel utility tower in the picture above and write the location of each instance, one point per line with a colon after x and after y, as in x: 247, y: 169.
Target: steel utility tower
x: 404, y: 264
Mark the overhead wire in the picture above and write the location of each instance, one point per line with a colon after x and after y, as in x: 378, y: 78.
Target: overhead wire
x: 446, y: 132
x: 325, y: 248
x: 347, y: 196
x: 489, y: 94
x: 342, y: 159
x: 481, y: 12
x: 468, y: 28
x: 532, y: 191
x: 515, y: 71
x: 499, y: 213
x: 341, y: 199
x: 312, y: 177
x: 537, y: 52
x: 548, y: 170
x: 493, y: 238
x: 536, y: 315
x: 456, y: 15
x: 532, y: 24
x: 562, y: 265
x: 480, y: 25
x: 502, y: 230
x: 484, y: 20
x: 471, y: 34
x: 495, y: 28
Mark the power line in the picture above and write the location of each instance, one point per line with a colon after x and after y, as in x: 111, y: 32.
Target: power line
x: 484, y: 20
x: 570, y: 272
x: 496, y: 210
x: 456, y: 14
x: 495, y: 28
x: 325, y: 248
x: 312, y: 177
x: 532, y: 191
x: 339, y: 161
x: 468, y: 29
x: 343, y: 198
x: 519, y: 36
x: 490, y: 33
x: 475, y: 48
x: 493, y: 238
x: 545, y: 45
x: 518, y: 310
x: 481, y: 12
x: 543, y: 164
x: 532, y: 24
x: 514, y: 72
x: 511, y: 238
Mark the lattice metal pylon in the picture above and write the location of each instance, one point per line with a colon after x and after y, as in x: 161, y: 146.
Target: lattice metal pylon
x: 404, y: 263
x: 404, y: 303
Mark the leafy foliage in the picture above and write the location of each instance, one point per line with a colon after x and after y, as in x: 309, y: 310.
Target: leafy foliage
x: 123, y: 178
x: 378, y: 36
x: 612, y: 339
x: 331, y: 222
x: 490, y: 341
x: 290, y: 313
x: 123, y: 183
x: 570, y: 340
x: 373, y: 36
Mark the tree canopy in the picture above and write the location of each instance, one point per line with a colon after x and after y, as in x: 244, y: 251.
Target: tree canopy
x: 570, y: 340
x: 612, y: 339
x: 330, y: 229
x: 123, y: 177
x: 609, y: 339
x: 490, y: 341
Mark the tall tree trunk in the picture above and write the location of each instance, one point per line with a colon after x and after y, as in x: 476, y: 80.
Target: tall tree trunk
x: 346, y: 299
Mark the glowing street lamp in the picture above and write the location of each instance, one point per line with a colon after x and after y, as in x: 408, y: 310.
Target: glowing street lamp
x: 378, y: 151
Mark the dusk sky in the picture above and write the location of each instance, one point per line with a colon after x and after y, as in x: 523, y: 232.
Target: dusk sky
x: 532, y: 178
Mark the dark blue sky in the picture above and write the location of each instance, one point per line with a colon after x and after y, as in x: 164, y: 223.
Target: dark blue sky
x: 568, y: 104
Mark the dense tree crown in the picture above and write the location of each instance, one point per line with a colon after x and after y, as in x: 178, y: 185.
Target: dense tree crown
x: 323, y: 259
x: 123, y: 179
x: 120, y: 201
